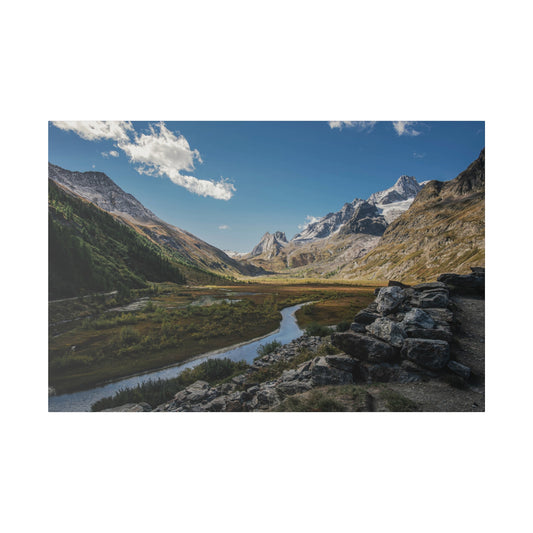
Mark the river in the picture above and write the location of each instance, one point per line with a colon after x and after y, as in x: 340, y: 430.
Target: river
x: 82, y: 400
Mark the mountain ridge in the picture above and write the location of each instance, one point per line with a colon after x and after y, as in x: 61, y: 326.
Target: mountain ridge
x: 102, y: 191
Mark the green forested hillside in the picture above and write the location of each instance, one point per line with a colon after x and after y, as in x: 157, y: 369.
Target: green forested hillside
x: 91, y: 251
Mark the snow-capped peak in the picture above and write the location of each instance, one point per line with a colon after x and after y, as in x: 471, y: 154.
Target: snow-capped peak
x: 405, y: 188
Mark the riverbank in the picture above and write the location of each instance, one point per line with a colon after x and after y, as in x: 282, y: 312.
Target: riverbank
x: 247, y: 352
x: 171, y: 327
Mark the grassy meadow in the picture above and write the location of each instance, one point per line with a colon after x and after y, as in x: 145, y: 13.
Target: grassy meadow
x: 97, y: 338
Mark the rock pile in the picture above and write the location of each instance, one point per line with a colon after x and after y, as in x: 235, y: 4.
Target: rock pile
x: 403, y: 336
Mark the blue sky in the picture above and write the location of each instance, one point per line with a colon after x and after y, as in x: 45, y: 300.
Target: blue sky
x: 230, y: 182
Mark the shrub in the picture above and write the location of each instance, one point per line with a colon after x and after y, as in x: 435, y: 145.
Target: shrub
x: 267, y: 348
x: 128, y: 336
x: 343, y: 326
x: 156, y: 392
x: 316, y: 330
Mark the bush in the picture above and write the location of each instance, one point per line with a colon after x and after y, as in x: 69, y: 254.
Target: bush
x: 316, y: 330
x: 267, y: 348
x: 343, y: 326
x: 156, y: 392
x: 129, y: 336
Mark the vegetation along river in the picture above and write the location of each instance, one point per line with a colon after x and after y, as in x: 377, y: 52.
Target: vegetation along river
x: 82, y: 400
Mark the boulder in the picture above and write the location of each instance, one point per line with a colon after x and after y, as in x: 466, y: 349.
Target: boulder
x: 342, y: 362
x: 440, y: 316
x: 430, y: 286
x: 442, y: 333
x: 464, y: 284
x: 200, y: 391
x: 365, y: 317
x: 389, y: 299
x: 358, y: 327
x: 218, y: 404
x: 387, y: 330
x: 459, y: 369
x: 433, y: 299
x: 432, y: 354
x: 266, y: 398
x: 324, y: 374
x: 418, y: 318
x: 364, y: 347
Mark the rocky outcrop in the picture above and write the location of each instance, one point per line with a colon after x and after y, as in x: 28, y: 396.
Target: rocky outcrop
x: 473, y: 283
x: 402, y: 340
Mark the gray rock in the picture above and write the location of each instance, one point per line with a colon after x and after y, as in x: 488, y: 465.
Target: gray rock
x: 440, y: 316
x: 364, y: 347
x: 218, y: 404
x: 433, y: 299
x: 429, y: 286
x: 358, y: 327
x: 389, y: 299
x: 387, y: 330
x: 459, y: 369
x: 266, y: 398
x: 432, y: 354
x: 442, y: 333
x: 288, y: 388
x: 418, y: 318
x: 324, y: 374
x: 464, y: 284
x: 342, y: 362
x: 380, y: 373
x: 365, y: 317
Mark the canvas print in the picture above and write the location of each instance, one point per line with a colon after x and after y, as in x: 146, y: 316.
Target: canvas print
x: 266, y: 266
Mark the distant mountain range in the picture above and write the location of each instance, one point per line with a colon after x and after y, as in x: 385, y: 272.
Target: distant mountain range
x: 336, y: 238
x: 102, y: 237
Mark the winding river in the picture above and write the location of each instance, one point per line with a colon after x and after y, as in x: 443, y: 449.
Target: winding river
x: 82, y: 400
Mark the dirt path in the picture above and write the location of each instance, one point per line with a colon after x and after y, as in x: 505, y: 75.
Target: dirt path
x: 469, y: 345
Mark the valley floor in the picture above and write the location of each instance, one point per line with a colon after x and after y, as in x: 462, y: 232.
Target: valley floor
x: 95, y: 339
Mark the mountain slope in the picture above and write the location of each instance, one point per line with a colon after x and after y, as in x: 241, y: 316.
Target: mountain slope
x: 91, y: 251
x: 442, y: 231
x: 337, y: 239
x: 99, y: 189
x: 270, y: 245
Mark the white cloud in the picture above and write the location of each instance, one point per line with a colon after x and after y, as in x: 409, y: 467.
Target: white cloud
x: 362, y: 125
x: 405, y: 128
x: 223, y: 226
x: 93, y: 130
x: 161, y: 153
x: 418, y: 156
x: 309, y: 219
x: 111, y: 153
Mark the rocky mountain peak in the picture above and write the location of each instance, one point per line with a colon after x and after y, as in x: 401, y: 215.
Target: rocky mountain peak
x: 405, y: 188
x: 366, y: 219
x: 270, y: 244
x: 98, y: 188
